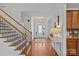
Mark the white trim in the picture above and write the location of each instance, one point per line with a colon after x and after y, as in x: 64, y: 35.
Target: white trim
x: 72, y: 8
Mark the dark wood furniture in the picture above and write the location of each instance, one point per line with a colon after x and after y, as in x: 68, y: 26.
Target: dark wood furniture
x: 73, y: 46
x: 72, y: 23
x: 72, y: 19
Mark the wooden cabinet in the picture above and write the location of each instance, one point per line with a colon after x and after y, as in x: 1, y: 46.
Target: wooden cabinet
x: 78, y: 47
x: 78, y: 20
x: 71, y: 47
x: 75, y: 20
x: 69, y: 20
x: 71, y: 43
x: 72, y: 19
x: 73, y: 23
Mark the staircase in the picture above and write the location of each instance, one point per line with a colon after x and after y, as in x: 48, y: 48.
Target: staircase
x: 15, y: 33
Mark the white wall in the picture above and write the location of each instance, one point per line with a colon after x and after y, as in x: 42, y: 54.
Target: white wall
x: 17, y: 10
x: 73, y: 6
x: 60, y: 10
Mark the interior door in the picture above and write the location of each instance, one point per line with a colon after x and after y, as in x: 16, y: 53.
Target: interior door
x: 41, y: 30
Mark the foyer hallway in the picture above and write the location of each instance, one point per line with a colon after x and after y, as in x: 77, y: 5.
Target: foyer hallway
x: 42, y: 48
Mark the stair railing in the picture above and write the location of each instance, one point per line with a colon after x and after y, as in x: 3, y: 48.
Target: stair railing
x: 5, y: 16
x: 26, y: 34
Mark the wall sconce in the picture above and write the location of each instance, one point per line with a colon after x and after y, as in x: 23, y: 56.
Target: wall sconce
x: 28, y: 20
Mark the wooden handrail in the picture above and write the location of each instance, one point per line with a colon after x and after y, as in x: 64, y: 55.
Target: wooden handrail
x: 11, y: 24
x: 55, y: 51
x: 15, y: 20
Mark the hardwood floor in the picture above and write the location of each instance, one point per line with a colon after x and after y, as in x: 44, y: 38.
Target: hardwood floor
x: 42, y: 48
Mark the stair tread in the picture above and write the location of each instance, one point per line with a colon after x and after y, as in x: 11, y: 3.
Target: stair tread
x: 21, y: 46
x: 17, y: 42
x: 7, y: 32
x: 24, y: 51
x: 1, y: 21
x: 10, y: 36
x: 12, y: 39
x: 6, y: 29
x: 4, y: 25
x: 4, y: 35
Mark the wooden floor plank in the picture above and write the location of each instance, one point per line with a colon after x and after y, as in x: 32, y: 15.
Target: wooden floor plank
x: 43, y: 48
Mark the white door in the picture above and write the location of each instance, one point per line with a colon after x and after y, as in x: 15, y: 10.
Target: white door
x: 41, y: 30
